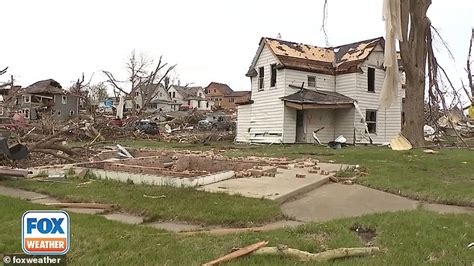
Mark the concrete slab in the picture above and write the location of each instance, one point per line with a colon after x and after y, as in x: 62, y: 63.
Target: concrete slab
x: 20, y: 193
x: 335, y: 201
x: 174, y: 227
x: 85, y: 211
x: 441, y: 208
x: 280, y: 188
x: 124, y: 218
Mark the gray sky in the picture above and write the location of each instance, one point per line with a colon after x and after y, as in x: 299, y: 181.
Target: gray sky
x: 209, y: 40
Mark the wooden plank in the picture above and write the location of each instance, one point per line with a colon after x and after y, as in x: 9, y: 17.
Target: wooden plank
x: 239, y: 253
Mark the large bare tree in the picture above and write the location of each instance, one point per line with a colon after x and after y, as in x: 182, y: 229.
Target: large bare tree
x: 144, y: 77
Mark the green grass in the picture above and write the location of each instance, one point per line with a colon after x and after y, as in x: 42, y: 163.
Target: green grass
x: 181, y: 204
x: 446, y: 177
x: 407, y: 238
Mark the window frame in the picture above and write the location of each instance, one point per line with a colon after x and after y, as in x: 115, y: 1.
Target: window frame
x: 371, y: 122
x: 371, y: 79
x: 26, y: 97
x: 64, y: 99
x: 309, y: 85
x: 261, y: 78
x: 273, y: 75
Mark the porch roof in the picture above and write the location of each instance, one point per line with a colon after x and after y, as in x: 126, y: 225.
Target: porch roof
x: 313, y: 99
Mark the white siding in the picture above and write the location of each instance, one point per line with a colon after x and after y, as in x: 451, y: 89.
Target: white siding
x: 388, y: 121
x: 345, y: 118
x: 323, y: 82
x: 315, y: 119
x: 267, y: 109
x: 243, y: 122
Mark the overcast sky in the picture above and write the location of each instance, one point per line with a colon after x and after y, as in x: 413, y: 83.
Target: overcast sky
x: 209, y: 40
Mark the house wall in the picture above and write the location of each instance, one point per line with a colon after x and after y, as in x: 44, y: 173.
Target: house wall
x: 314, y: 119
x: 178, y: 97
x: 388, y: 121
x: 296, y: 78
x: 68, y: 110
x: 345, y: 118
x: 244, y: 113
x: 267, y: 109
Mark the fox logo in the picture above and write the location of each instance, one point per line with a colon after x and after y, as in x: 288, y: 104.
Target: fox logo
x: 45, y: 232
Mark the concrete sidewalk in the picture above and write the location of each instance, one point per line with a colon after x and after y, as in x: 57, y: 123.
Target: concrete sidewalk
x: 334, y: 201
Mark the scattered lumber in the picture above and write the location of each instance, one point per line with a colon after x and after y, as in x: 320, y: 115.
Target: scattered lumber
x: 319, y: 257
x: 236, y: 254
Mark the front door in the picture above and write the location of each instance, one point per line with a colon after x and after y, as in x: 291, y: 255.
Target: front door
x: 300, y: 137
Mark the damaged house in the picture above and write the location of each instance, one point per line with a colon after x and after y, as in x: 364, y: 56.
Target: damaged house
x: 46, y: 97
x: 189, y: 97
x: 222, y: 96
x: 298, y: 89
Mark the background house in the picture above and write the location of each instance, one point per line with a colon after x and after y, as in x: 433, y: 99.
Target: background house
x: 224, y: 97
x: 299, y: 88
x: 46, y: 98
x: 158, y: 97
x: 192, y: 97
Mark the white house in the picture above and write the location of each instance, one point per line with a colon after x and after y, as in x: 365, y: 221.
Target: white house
x: 299, y: 88
x: 192, y: 97
x: 157, y: 96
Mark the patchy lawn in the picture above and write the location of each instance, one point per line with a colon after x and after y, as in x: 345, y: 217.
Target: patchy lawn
x: 181, y: 204
x: 408, y: 238
x: 446, y: 177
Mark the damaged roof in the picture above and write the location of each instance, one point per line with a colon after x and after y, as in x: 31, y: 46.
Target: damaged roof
x: 188, y: 92
x: 238, y: 94
x: 224, y: 88
x: 48, y: 86
x: 317, y: 97
x: 326, y: 60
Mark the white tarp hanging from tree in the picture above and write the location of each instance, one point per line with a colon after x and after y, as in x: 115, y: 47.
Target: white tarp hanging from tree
x: 393, y: 32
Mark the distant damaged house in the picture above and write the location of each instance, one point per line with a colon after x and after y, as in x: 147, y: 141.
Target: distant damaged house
x: 298, y: 89
x: 189, y: 97
x: 156, y: 98
x: 46, y: 98
x: 224, y: 97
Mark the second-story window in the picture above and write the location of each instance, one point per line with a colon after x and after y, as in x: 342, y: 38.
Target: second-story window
x: 64, y: 99
x: 312, y: 81
x: 261, y: 76
x: 273, y: 79
x: 371, y: 79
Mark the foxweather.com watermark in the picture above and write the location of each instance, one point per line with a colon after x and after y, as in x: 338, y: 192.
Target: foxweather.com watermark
x: 24, y: 259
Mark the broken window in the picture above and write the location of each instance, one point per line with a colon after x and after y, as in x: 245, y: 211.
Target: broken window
x: 312, y: 81
x: 371, y: 79
x: 59, y: 113
x: 26, y: 98
x: 261, y: 75
x: 174, y: 94
x: 371, y: 120
x: 71, y: 113
x: 273, y: 79
x: 64, y: 99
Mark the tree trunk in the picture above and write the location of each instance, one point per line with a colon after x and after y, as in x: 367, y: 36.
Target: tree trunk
x: 415, y: 24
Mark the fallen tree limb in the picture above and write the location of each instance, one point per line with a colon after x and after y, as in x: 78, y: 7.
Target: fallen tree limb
x: 320, y: 257
x: 239, y: 253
